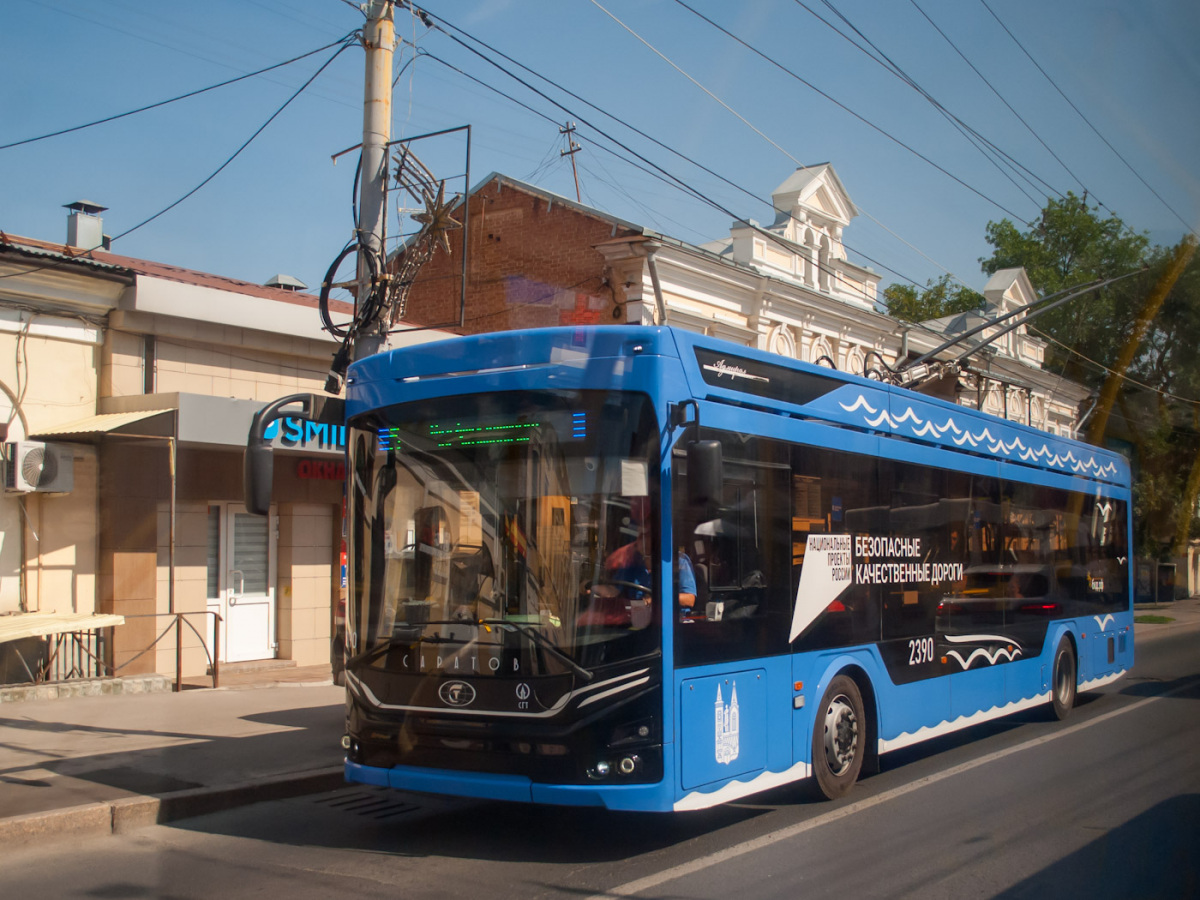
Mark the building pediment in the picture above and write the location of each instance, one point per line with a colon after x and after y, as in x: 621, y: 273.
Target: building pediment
x: 814, y: 192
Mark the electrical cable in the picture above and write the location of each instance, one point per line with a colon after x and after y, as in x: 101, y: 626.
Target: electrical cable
x: 661, y: 174
x: 856, y: 115
x: 1001, y: 98
x: 194, y: 93
x: 345, y: 43
x: 1095, y: 130
x: 987, y: 148
x: 1107, y: 371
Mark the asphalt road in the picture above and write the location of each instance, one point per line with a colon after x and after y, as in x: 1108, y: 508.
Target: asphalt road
x: 1106, y: 804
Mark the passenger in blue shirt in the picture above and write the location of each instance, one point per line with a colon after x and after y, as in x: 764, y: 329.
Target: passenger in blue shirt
x: 685, y: 584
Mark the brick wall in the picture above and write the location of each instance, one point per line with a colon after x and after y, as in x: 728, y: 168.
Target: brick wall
x: 532, y: 263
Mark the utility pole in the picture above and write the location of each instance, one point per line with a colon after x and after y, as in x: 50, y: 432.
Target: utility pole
x: 572, y: 149
x: 379, y: 40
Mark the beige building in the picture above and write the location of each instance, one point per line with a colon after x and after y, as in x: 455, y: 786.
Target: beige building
x: 135, y: 382
x: 788, y: 287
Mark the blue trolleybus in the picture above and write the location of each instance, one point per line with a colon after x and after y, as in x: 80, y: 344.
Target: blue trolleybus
x: 645, y: 569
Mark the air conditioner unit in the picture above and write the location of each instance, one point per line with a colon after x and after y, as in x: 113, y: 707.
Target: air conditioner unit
x: 33, y: 466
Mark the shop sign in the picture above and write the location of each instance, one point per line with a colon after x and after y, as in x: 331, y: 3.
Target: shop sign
x: 321, y: 469
x: 300, y: 434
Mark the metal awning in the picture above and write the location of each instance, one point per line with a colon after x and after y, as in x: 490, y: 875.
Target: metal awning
x: 43, y: 624
x: 158, y: 423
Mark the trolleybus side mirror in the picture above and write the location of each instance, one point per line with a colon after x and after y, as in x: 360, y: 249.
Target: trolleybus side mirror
x: 258, y: 464
x: 704, y: 472
x: 259, y: 471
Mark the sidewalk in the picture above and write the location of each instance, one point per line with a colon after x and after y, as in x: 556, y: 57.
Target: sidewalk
x: 91, y: 765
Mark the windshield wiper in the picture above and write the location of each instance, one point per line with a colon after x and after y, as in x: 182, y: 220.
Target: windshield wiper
x: 543, y: 642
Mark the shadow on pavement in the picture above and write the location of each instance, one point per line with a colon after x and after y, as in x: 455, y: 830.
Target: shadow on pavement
x: 1152, y: 855
x: 398, y: 823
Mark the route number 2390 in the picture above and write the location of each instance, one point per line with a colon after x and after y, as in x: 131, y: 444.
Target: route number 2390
x: 920, y: 651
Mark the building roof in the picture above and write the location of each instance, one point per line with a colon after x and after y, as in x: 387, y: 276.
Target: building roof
x: 103, y: 261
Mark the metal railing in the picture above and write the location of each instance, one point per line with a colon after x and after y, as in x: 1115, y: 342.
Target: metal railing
x: 214, y: 658
x: 76, y: 655
x: 80, y: 655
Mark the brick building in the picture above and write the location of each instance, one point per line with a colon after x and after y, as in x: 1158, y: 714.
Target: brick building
x: 537, y: 259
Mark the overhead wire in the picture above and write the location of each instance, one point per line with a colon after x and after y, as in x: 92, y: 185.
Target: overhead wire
x: 1107, y: 371
x: 1190, y: 228
x: 1002, y: 99
x: 660, y: 174
x: 142, y: 109
x: 813, y: 87
x: 346, y: 42
x: 86, y: 254
x: 987, y: 148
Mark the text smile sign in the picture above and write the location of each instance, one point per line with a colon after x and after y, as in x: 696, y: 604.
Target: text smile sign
x: 300, y: 434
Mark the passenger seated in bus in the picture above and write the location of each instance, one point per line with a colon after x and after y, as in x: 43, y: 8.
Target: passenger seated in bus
x: 685, y: 584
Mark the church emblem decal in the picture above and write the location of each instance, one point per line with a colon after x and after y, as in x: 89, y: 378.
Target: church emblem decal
x: 727, y: 726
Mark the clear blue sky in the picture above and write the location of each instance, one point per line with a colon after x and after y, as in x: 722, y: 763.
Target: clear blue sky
x: 1133, y: 69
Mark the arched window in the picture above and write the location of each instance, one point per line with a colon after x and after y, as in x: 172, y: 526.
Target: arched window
x: 856, y: 361
x: 821, y: 353
x: 782, y: 341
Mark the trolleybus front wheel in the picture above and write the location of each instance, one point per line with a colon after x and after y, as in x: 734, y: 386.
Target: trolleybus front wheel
x: 839, y: 738
x: 1062, y: 685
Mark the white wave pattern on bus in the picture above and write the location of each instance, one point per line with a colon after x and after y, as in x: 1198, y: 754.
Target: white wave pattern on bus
x: 1010, y: 651
x: 1014, y: 448
x: 1103, y: 624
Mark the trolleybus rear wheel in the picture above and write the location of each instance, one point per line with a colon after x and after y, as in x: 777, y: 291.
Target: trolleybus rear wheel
x: 1062, y: 686
x: 839, y: 738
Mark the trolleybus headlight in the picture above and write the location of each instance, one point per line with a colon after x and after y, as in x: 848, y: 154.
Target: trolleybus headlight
x: 345, y: 742
x: 628, y: 765
x: 600, y: 770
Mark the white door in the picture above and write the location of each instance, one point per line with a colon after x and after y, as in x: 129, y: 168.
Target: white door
x: 241, y: 579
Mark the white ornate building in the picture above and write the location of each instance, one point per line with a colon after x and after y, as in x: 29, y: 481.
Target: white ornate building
x: 788, y: 287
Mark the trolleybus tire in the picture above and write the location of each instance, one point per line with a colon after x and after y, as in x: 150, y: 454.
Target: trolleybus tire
x: 839, y: 738
x: 1062, y: 683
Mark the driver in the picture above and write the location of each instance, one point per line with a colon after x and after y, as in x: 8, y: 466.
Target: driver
x: 622, y: 595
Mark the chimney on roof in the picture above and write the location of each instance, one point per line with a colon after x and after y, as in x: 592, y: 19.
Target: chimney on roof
x: 285, y: 283
x: 85, y: 228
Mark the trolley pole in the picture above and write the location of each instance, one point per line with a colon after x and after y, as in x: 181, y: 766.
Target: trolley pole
x: 379, y: 40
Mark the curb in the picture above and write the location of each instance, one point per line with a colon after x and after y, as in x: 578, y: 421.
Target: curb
x: 1143, y: 631
x: 95, y: 687
x: 130, y: 813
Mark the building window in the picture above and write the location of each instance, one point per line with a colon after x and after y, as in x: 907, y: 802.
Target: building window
x: 782, y: 341
x: 149, y: 364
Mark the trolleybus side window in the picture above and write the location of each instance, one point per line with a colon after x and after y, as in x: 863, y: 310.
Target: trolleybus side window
x: 738, y: 550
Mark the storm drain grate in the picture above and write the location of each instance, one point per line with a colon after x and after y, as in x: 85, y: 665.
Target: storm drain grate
x: 370, y: 803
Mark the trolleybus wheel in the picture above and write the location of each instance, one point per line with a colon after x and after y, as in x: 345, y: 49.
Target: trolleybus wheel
x: 839, y: 738
x: 1062, y: 687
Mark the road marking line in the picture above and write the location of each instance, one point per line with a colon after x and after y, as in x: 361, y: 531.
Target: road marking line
x: 631, y: 888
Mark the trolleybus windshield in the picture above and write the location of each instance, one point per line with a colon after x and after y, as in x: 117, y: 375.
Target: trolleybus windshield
x: 504, y: 534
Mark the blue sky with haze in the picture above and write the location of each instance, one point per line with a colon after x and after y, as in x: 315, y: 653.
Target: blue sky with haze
x: 1133, y: 69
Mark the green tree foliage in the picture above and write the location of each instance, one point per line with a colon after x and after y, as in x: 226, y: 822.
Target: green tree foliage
x: 1073, y: 244
x: 939, y: 298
